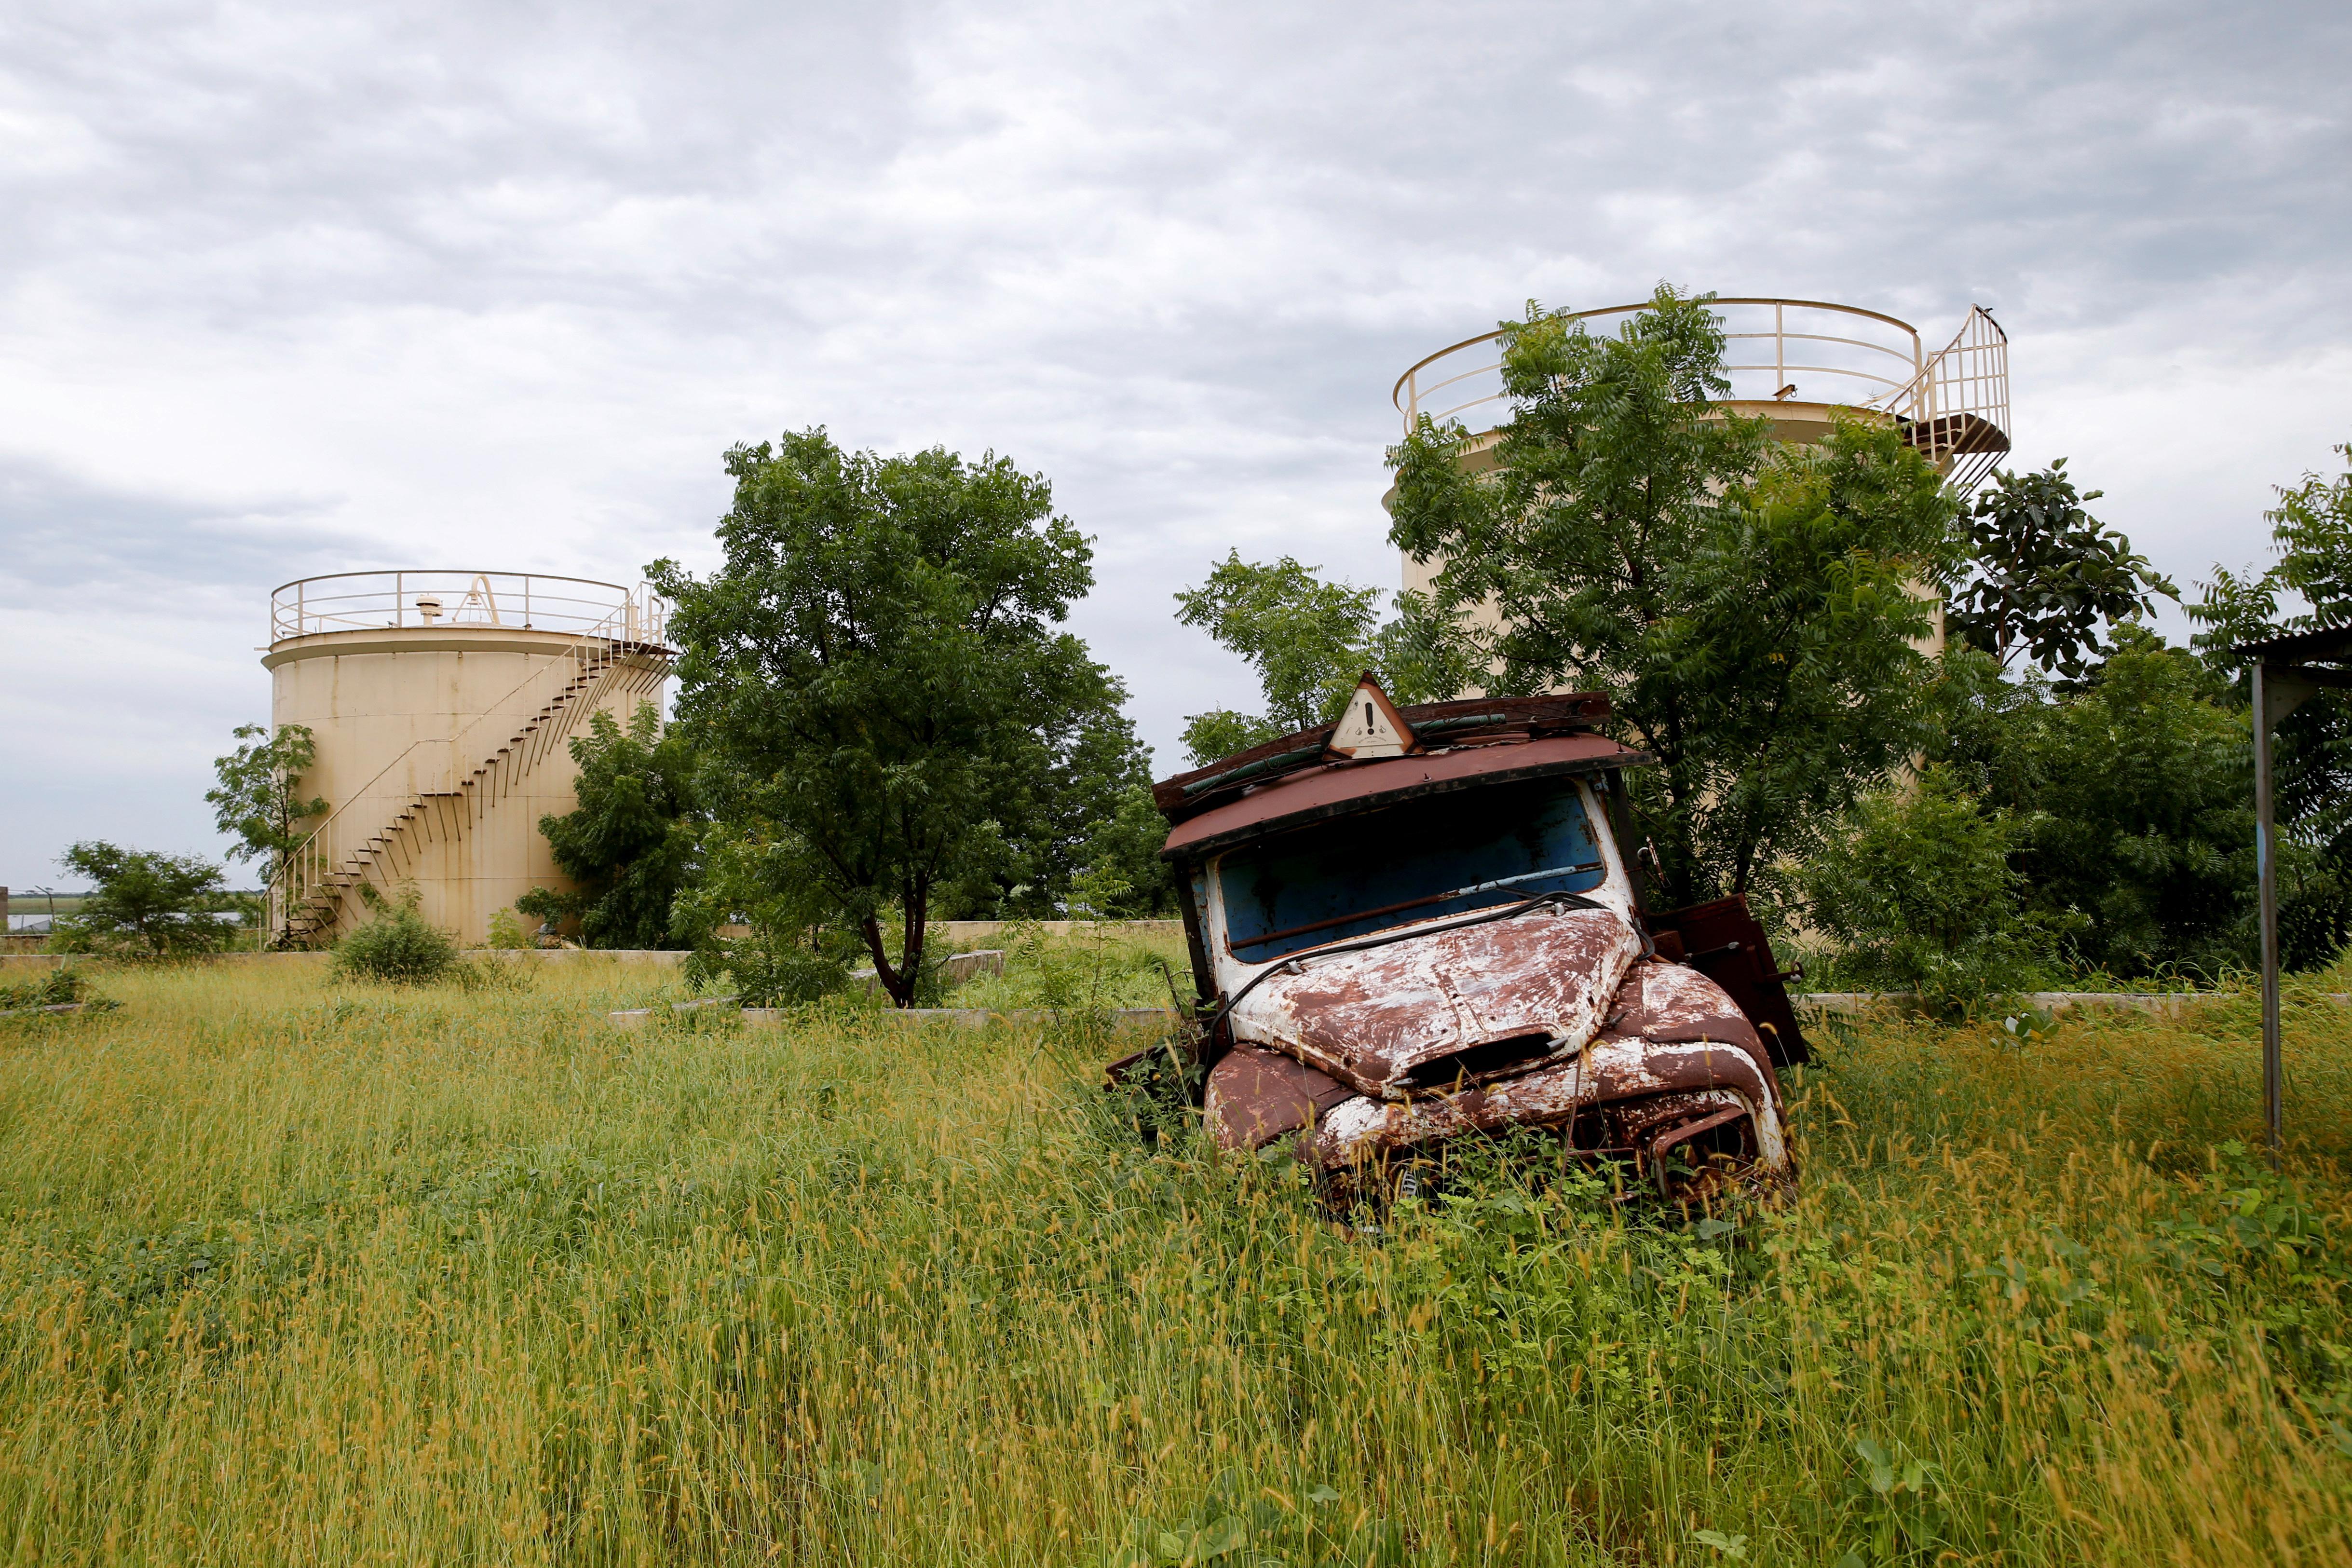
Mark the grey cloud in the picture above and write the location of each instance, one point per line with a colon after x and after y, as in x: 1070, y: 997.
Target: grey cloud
x: 68, y: 536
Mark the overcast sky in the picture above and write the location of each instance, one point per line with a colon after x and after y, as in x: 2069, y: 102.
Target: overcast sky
x: 299, y: 289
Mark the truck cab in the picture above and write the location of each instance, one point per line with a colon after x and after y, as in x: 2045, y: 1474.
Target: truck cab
x: 1421, y: 924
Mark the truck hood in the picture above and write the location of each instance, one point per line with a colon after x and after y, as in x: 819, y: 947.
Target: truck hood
x: 1423, y: 1013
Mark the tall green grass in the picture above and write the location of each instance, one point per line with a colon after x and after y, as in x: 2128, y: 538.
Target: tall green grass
x: 299, y: 1272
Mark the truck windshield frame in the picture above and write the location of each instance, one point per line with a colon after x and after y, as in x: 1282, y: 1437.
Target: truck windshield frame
x: 1397, y: 864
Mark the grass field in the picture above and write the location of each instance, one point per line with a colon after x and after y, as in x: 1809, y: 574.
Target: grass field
x: 300, y: 1272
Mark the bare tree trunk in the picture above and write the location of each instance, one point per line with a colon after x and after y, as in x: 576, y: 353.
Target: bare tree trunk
x: 894, y: 982
x: 914, y: 935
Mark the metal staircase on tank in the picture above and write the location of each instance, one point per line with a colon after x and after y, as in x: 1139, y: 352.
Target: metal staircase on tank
x: 312, y: 898
x: 1955, y: 410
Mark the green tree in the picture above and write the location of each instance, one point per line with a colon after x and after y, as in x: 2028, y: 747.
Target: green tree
x: 259, y: 799
x: 2311, y: 535
x: 1095, y: 816
x: 2044, y: 575
x: 1753, y: 611
x: 1918, y: 889
x: 1310, y: 641
x: 2131, y: 789
x: 1994, y: 730
x: 1024, y: 863
x: 873, y: 681
x: 1122, y: 850
x: 2144, y: 821
x: 631, y: 842
x: 146, y: 904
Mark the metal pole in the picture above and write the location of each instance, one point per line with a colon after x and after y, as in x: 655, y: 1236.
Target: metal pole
x: 2266, y: 875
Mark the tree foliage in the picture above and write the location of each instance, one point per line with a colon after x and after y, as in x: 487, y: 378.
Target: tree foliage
x: 1094, y: 817
x: 1919, y: 889
x: 630, y: 844
x: 2146, y: 825
x: 146, y: 904
x: 1122, y: 860
x: 1754, y: 611
x: 875, y: 683
x: 259, y: 800
x: 794, y: 951
x: 2044, y: 575
x: 2311, y: 538
x: 2132, y: 791
x: 1310, y: 640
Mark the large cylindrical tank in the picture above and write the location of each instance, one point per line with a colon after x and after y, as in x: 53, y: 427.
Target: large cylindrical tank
x: 1803, y: 364
x: 442, y: 705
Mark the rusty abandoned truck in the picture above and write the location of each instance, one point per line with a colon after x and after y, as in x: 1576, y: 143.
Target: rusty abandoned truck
x: 1423, y: 923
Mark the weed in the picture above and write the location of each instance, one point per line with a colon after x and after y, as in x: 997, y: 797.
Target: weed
x: 61, y: 988
x: 506, y: 932
x: 397, y: 947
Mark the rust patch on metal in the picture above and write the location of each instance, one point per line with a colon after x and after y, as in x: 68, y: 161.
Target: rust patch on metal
x: 1410, y: 1017
x: 1665, y: 1142
x: 1629, y: 1088
x: 1668, y: 1003
x: 1334, y: 789
x: 1255, y: 1097
x: 1723, y: 941
x: 1671, y: 1003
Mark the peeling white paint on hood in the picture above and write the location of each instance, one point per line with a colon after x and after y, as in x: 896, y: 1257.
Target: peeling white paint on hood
x: 1370, y: 1019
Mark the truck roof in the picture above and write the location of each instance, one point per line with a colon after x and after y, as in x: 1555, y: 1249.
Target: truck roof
x: 1464, y: 744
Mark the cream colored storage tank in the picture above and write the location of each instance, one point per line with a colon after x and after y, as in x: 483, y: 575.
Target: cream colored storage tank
x: 443, y: 704
x: 1803, y: 363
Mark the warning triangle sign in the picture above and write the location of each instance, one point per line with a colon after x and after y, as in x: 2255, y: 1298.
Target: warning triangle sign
x: 1371, y: 726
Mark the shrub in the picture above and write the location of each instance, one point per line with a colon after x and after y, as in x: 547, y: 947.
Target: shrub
x: 506, y: 931
x: 770, y: 969
x: 1920, y: 890
x: 61, y: 987
x: 397, y: 947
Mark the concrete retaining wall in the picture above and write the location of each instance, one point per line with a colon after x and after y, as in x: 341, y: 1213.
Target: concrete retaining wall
x: 965, y: 1017
x: 961, y: 932
x: 19, y: 963
x: 2170, y: 1003
x: 958, y: 934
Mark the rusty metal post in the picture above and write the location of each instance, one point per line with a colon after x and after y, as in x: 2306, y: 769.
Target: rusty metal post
x: 2266, y: 875
x: 2279, y: 690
